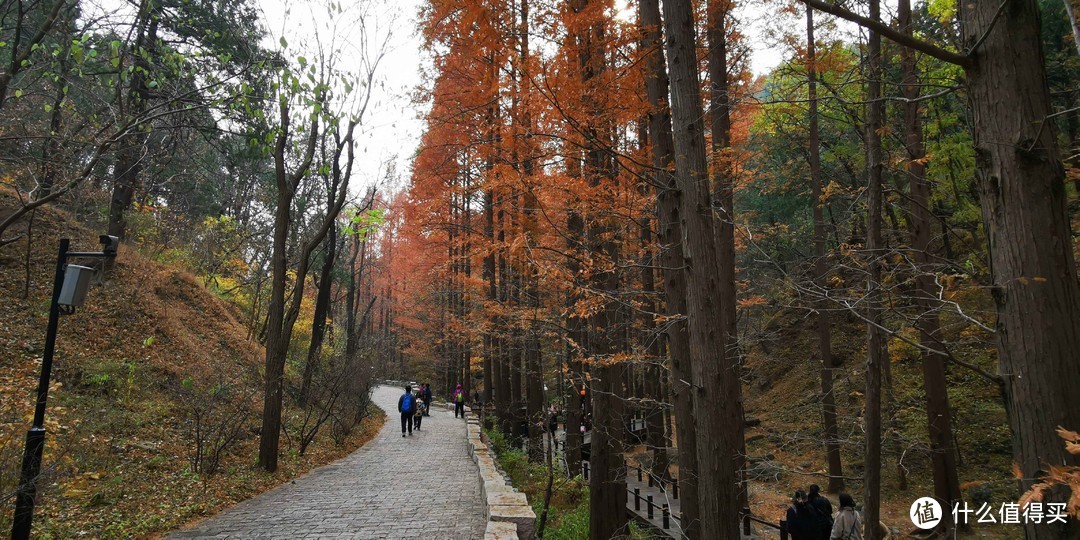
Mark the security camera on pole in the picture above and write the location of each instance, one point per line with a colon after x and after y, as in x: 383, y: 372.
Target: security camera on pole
x: 69, y: 292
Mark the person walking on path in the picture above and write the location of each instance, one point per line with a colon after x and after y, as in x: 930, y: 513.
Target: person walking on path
x: 421, y: 409
x: 427, y: 399
x: 822, y: 509
x: 406, y: 405
x: 800, y: 518
x: 459, y: 401
x: 848, y: 522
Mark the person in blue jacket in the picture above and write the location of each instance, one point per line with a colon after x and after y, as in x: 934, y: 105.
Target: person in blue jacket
x: 406, y: 405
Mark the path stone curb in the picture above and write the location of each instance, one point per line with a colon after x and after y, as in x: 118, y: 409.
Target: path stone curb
x: 509, y: 515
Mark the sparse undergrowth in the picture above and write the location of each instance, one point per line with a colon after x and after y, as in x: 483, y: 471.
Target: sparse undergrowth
x: 149, y: 350
x: 568, y: 514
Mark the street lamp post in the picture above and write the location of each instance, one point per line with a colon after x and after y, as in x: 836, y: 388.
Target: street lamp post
x: 69, y: 290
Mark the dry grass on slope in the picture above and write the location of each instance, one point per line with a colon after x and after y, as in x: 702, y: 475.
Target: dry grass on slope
x: 148, y: 346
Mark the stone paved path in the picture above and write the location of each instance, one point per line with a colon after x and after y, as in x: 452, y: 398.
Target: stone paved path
x: 423, y: 486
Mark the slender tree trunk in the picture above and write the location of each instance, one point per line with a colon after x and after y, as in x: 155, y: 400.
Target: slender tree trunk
x: 824, y: 327
x: 504, y: 397
x: 322, y: 308
x: 576, y: 337
x: 491, y: 362
x: 669, y: 231
x: 876, y: 339
x: 939, y: 422
x: 356, y: 276
x: 715, y: 385
x: 130, y: 159
x: 281, y: 320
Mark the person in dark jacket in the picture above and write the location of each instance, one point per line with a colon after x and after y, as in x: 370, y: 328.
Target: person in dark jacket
x: 822, y: 510
x: 427, y: 399
x: 406, y: 405
x: 800, y: 518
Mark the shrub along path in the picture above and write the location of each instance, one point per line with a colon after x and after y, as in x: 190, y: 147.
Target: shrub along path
x: 393, y: 487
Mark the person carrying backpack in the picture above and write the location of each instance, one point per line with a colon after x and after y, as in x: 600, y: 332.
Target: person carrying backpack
x: 459, y: 401
x: 848, y: 523
x: 822, y: 510
x: 406, y: 405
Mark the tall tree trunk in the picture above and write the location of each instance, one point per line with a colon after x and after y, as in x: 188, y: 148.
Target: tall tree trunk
x: 576, y: 336
x: 356, y: 276
x: 939, y: 422
x: 669, y: 232
x: 1021, y: 190
x: 607, y: 480
x: 824, y: 327
x: 875, y: 315
x: 1021, y: 184
x: 282, y: 319
x: 466, y: 308
x: 322, y: 308
x: 491, y: 362
x: 717, y: 19
x: 715, y: 385
x: 130, y: 159
x: 534, y: 374
x: 652, y: 389
x: 504, y: 397
x: 278, y: 333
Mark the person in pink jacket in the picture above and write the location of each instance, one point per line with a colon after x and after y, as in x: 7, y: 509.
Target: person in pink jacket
x: 458, y: 398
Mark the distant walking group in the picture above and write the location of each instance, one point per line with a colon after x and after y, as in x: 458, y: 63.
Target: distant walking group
x: 810, y: 517
x: 414, y: 405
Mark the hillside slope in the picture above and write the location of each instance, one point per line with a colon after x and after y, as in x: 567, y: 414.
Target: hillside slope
x: 150, y: 353
x: 786, y: 452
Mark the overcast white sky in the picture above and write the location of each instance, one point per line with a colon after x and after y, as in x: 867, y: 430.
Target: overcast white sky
x: 393, y: 127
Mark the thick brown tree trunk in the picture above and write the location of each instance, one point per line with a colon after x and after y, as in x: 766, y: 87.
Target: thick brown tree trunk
x: 717, y: 18
x: 1021, y: 183
x: 1022, y: 193
x: 669, y: 232
x: 715, y: 384
x: 824, y: 327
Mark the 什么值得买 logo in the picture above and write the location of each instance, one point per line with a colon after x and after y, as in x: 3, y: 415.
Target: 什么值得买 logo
x: 925, y: 513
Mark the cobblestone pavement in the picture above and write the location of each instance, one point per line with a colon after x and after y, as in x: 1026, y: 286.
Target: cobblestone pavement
x: 423, y: 486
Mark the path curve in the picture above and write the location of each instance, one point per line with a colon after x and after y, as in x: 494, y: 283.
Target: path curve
x: 423, y: 486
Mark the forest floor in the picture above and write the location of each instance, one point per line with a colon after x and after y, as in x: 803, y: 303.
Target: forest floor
x: 148, y: 349
x: 782, y: 389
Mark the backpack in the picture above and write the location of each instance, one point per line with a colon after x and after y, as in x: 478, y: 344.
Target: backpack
x: 458, y: 397
x: 407, y: 403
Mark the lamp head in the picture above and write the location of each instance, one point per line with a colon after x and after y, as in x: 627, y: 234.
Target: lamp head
x: 109, y: 244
